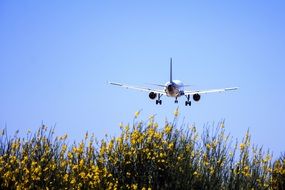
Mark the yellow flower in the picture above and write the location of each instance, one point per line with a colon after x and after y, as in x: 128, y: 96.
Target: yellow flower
x: 242, y: 146
x: 8, y: 174
x: 34, y: 163
x: 158, y: 135
x: 135, y: 136
x: 15, y: 145
x: 103, y: 149
x: 82, y: 175
x: 246, y: 171
x: 212, y: 170
x: 38, y: 169
x: 64, y: 137
x: 267, y: 158
x: 64, y: 147
x: 168, y: 129
x: 170, y: 146
x: 69, y: 155
x: 176, y: 112
x: 73, y: 181
x: 111, y: 144
x: 75, y: 167
x: 137, y: 113
x: 134, y: 186
x: 208, y: 146
x: 81, y: 162
x: 214, y: 144
x: 207, y: 163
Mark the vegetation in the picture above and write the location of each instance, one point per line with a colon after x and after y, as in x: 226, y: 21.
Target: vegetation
x: 278, y: 174
x: 143, y: 156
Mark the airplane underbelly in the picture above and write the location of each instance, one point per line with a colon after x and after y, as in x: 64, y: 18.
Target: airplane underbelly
x: 172, y: 93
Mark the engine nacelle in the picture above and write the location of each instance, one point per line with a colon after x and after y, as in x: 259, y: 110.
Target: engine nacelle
x: 196, y: 97
x: 152, y: 95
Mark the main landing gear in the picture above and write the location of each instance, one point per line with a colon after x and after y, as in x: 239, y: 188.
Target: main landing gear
x: 158, y: 101
x: 188, y: 102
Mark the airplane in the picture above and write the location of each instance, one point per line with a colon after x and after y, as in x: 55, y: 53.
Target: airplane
x: 173, y: 88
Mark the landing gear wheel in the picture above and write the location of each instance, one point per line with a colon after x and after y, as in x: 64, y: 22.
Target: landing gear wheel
x: 187, y: 103
x: 158, y: 102
x: 176, y: 101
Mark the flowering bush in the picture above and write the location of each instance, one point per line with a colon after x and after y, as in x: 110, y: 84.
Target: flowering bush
x: 278, y: 174
x: 143, y: 156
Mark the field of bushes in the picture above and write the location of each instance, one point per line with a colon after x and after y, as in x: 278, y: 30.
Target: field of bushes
x: 143, y: 156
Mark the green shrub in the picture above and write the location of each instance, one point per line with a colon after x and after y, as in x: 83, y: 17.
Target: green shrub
x: 278, y: 174
x: 143, y: 156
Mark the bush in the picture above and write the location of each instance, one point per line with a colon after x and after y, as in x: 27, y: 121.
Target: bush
x: 278, y: 174
x: 143, y: 156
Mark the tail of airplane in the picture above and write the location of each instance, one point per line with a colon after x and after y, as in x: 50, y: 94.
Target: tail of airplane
x: 171, y: 69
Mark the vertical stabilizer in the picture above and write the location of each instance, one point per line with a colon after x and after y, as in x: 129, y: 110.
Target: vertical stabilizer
x: 171, y: 69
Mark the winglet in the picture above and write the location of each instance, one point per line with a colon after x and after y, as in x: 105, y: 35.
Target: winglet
x: 171, y: 69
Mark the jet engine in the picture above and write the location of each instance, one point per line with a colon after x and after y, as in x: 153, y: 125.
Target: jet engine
x: 196, y: 97
x: 152, y: 95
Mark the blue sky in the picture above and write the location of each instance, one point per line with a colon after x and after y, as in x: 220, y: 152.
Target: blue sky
x: 56, y: 57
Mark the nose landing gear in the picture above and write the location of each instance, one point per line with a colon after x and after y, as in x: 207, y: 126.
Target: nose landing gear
x: 176, y: 101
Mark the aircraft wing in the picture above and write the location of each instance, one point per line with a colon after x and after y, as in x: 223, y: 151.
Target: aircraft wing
x: 144, y: 89
x: 191, y: 92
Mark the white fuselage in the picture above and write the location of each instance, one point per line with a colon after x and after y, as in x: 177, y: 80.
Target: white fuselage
x: 174, y: 88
